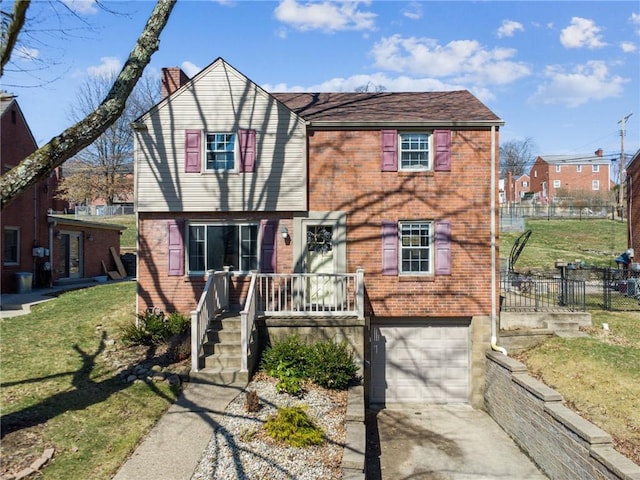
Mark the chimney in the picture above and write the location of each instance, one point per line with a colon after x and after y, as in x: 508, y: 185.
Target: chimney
x: 598, y: 152
x: 172, y: 79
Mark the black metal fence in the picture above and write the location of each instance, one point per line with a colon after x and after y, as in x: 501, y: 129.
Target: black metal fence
x: 578, y: 290
x: 536, y: 293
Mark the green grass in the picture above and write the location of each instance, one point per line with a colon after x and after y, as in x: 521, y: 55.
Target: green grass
x: 599, y: 375
x: 595, y: 242
x: 61, y: 388
x: 128, y: 237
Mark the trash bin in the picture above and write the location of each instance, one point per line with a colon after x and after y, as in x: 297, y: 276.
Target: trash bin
x: 23, y: 281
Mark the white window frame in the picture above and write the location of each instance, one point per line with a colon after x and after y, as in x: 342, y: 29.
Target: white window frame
x: 595, y: 185
x: 207, y: 151
x: 413, y: 249
x: 557, y: 184
x: 429, y: 152
x: 11, y: 261
x: 595, y: 168
x: 238, y: 225
x: 579, y: 168
x: 525, y: 184
x: 558, y: 168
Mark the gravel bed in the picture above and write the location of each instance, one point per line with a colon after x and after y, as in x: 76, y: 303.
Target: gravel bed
x: 240, y: 448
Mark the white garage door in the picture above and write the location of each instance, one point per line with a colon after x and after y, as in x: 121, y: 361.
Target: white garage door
x: 420, y: 364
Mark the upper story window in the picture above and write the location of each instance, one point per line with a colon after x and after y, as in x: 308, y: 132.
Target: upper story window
x: 535, y: 173
x: 579, y: 168
x: 595, y: 185
x: 415, y: 151
x: 595, y: 168
x: 558, y: 168
x: 11, y: 250
x: 525, y: 184
x: 415, y: 247
x: 556, y: 184
x: 220, y: 151
x: 214, y: 246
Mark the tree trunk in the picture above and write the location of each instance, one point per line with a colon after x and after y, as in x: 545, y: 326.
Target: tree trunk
x: 59, y: 149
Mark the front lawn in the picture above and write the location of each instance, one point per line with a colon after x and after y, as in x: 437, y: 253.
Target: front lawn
x: 62, y: 387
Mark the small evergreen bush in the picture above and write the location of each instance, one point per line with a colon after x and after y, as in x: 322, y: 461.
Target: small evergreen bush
x: 292, y: 426
x: 286, y: 358
x: 331, y: 365
x: 153, y: 327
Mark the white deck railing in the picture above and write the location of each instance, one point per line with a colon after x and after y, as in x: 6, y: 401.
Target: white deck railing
x: 214, y: 299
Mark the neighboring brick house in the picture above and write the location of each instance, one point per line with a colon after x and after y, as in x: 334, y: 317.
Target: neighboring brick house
x: 38, y: 249
x: 633, y: 204
x: 515, y: 189
x: 570, y: 175
x: 401, y: 185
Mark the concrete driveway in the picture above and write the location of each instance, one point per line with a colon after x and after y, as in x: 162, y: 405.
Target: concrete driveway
x: 442, y: 442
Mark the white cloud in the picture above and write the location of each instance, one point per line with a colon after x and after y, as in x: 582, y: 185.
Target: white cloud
x: 628, y: 47
x: 508, y: 28
x: 25, y: 53
x: 413, y: 11
x: 462, y: 60
x: 635, y: 20
x: 82, y: 7
x: 327, y: 16
x: 190, y: 68
x: 109, y: 67
x: 588, y: 82
x: 581, y: 33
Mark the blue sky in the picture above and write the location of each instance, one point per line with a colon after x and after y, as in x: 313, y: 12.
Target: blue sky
x: 561, y: 73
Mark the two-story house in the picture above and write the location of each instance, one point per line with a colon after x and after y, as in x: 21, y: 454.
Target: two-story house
x: 316, y: 201
x: 633, y: 204
x: 570, y: 175
x: 515, y: 188
x: 39, y: 249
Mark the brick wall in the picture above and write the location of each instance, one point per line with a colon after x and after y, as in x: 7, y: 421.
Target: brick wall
x: 563, y: 444
x: 344, y: 175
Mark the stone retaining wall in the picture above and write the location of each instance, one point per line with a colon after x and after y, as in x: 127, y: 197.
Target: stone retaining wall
x: 563, y: 444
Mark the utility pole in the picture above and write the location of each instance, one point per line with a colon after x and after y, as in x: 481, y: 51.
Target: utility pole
x: 622, y: 123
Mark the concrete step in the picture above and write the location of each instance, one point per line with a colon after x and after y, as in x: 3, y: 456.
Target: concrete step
x: 219, y: 376
x: 222, y: 360
x: 229, y: 348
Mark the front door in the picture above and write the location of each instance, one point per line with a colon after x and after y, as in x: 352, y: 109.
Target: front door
x: 320, y: 262
x: 71, y: 255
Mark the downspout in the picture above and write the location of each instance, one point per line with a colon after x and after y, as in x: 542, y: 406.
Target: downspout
x: 494, y: 291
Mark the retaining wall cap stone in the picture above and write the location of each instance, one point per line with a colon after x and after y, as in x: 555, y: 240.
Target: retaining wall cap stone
x: 536, y: 388
x: 622, y: 466
x: 574, y: 422
x: 504, y: 361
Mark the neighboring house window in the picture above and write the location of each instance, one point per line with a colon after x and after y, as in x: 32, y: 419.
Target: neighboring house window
x: 212, y: 247
x: 525, y: 184
x: 415, y: 151
x: 535, y: 174
x: 595, y: 168
x: 558, y: 168
x: 556, y: 184
x: 579, y: 168
x: 595, y: 185
x: 220, y: 151
x: 11, y: 253
x: 416, y: 248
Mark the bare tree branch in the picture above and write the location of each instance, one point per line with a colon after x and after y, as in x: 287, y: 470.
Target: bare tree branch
x: 10, y: 37
x: 59, y: 149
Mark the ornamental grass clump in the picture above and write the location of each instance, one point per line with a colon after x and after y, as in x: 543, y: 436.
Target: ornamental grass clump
x: 292, y: 425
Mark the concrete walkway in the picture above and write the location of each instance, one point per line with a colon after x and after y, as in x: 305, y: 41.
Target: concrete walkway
x: 173, y: 448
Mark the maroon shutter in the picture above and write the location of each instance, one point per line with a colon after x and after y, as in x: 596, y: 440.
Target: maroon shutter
x: 247, y: 150
x: 389, y: 150
x: 389, y: 248
x: 175, y: 258
x: 268, y: 258
x: 442, y: 160
x: 192, y: 155
x: 443, y: 247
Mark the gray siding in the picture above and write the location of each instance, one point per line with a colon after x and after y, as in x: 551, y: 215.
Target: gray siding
x: 220, y: 99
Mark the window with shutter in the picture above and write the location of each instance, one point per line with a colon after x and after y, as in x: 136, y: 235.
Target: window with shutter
x: 443, y: 247
x: 442, y: 161
x: 175, y: 242
x: 268, y: 260
x: 389, y: 248
x: 247, y: 150
x: 192, y: 151
x: 389, y: 150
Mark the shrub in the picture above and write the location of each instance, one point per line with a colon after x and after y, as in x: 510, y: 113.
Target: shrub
x: 153, y: 327
x: 331, y: 365
x: 292, y: 426
x: 286, y: 358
